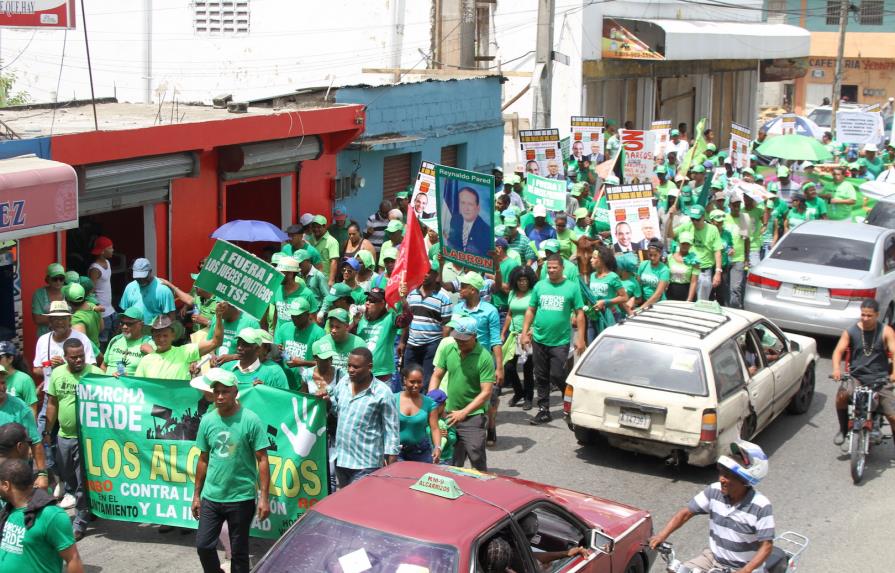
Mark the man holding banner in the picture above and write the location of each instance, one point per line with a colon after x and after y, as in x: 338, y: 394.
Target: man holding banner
x: 232, y: 440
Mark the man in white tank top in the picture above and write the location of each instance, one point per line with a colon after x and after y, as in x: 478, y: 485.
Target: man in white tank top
x: 100, y: 272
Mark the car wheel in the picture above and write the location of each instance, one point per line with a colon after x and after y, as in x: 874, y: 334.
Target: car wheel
x: 586, y: 436
x: 747, y: 430
x: 635, y: 565
x: 802, y: 400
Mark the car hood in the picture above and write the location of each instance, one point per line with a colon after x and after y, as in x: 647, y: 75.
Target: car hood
x: 815, y: 275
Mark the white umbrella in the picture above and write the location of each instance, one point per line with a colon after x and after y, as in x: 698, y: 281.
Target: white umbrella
x: 804, y: 126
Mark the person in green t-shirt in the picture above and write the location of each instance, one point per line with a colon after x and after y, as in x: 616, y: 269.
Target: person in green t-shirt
x: 232, y: 470
x: 653, y: 275
x: 37, y: 535
x: 520, y: 282
x: 606, y: 291
x: 127, y: 349
x: 339, y: 338
x: 469, y: 389
x: 797, y: 213
x: 378, y: 328
x: 18, y: 382
x: 739, y: 224
x: 298, y: 244
x: 551, y: 305
x: 626, y: 267
x: 505, y: 265
x: 170, y: 362
x: 249, y: 370
x: 42, y: 297
x: 233, y: 320
x: 84, y: 319
x: 315, y: 280
x: 843, y: 198
x: 717, y: 218
x: 328, y: 247
x: 296, y: 338
x: 815, y: 207
x: 707, y: 247
x: 19, y: 429
x: 62, y: 404
x: 417, y: 420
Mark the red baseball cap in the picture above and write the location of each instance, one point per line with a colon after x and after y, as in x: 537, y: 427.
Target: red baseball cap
x: 101, y: 244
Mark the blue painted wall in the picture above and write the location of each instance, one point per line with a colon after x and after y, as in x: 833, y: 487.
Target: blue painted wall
x: 816, y: 17
x: 439, y: 113
x: 39, y: 146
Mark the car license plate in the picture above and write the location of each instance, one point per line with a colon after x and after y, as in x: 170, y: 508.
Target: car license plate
x: 634, y: 419
x: 803, y: 291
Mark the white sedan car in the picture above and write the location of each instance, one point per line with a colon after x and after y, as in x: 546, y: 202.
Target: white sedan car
x: 682, y: 380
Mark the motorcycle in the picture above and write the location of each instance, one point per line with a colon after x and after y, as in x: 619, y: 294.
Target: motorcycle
x: 784, y: 558
x: 865, y: 423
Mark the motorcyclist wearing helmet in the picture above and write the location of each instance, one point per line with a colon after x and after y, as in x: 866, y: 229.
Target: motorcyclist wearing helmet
x: 867, y: 346
x: 741, y: 520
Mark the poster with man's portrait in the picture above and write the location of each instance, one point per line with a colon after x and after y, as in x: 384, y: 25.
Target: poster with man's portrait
x: 542, y: 152
x: 423, y: 201
x: 634, y: 219
x: 465, y: 216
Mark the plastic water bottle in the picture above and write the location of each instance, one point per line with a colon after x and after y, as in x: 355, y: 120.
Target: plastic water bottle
x: 120, y: 368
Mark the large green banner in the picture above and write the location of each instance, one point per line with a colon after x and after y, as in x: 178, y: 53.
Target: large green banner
x: 139, y: 451
x: 240, y: 278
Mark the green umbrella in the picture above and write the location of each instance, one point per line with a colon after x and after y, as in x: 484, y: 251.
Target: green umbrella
x: 795, y: 148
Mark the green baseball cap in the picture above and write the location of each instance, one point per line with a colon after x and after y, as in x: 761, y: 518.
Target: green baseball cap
x: 389, y: 253
x: 783, y: 171
x: 249, y: 335
x: 323, y: 349
x: 696, y: 212
x: 366, y: 259
x: 299, y: 306
x: 338, y: 290
x: 697, y: 169
x: 472, y: 279
x: 320, y: 220
x: 264, y: 336
x: 339, y: 314
x: 577, y: 188
x: 580, y: 213
x: 220, y: 376
x: 711, y: 147
x: 551, y: 245
x: 405, y: 194
x: 134, y: 312
x: 275, y: 258
x: 809, y: 185
x: 717, y: 184
x: 510, y: 222
x: 71, y: 277
x: 717, y: 215
x: 74, y: 292
x: 748, y: 170
x: 685, y: 237
x: 55, y: 270
x: 301, y: 255
x: 394, y: 225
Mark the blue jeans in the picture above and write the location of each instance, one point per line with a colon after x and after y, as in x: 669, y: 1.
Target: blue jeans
x: 49, y: 450
x: 421, y: 452
x: 72, y: 472
x: 347, y: 476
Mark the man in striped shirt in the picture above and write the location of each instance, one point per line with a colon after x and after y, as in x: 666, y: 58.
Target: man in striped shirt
x: 367, y: 434
x: 376, y: 224
x: 741, y: 520
x: 518, y: 241
x: 431, y: 307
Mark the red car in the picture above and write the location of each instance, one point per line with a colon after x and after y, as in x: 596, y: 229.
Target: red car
x: 421, y: 518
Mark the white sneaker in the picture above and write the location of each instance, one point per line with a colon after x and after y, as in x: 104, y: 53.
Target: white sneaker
x: 68, y: 501
x: 59, y: 490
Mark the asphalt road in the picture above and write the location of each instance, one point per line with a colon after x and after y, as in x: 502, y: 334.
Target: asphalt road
x: 809, y: 485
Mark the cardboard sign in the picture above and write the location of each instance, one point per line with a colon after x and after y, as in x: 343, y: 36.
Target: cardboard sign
x: 550, y: 193
x: 639, y: 159
x: 587, y: 138
x: 633, y: 217
x: 138, y: 440
x: 788, y: 124
x: 858, y: 127
x: 542, y: 150
x: 423, y: 200
x: 661, y: 132
x: 740, y: 140
x: 240, y: 278
x: 465, y: 216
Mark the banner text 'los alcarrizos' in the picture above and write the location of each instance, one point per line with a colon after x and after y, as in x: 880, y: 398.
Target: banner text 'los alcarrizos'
x: 138, y: 440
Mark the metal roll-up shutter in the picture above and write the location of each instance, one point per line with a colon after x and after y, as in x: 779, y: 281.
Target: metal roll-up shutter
x: 132, y: 182
x: 449, y: 155
x: 267, y: 157
x: 396, y: 175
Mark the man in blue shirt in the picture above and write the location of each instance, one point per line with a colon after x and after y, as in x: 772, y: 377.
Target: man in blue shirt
x: 147, y: 293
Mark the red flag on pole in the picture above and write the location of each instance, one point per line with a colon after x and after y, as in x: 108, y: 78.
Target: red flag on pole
x: 412, y: 264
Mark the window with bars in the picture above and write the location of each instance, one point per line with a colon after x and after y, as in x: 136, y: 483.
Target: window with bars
x: 220, y: 17
x: 833, y: 7
x: 871, y: 13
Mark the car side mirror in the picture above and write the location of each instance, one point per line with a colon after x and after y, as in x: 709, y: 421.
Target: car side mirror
x: 794, y: 346
x: 601, y: 543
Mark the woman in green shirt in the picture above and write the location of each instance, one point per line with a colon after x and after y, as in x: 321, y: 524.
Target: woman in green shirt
x: 797, y: 214
x: 522, y: 279
x: 416, y: 412
x: 84, y: 318
x: 607, y: 291
x: 653, y: 274
x: 683, y: 268
x: 626, y: 265
x: 18, y: 382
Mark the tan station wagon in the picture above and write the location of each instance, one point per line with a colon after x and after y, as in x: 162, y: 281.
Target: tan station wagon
x: 682, y: 380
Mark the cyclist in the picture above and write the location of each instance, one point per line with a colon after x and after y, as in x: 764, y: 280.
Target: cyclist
x: 741, y: 520
x: 866, y: 346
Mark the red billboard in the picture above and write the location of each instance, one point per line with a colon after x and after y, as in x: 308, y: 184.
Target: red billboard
x: 37, y: 13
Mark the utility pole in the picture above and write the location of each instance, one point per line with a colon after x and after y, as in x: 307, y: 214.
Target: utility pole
x: 837, y: 77
x: 542, y: 80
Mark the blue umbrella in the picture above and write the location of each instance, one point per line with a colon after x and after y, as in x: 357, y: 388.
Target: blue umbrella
x: 804, y: 126
x: 250, y: 231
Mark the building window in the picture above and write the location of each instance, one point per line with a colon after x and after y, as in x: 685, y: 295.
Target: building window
x: 833, y: 8
x: 396, y: 175
x: 871, y: 13
x: 220, y: 17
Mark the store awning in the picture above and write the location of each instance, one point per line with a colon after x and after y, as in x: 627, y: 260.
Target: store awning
x: 703, y: 40
x: 37, y: 196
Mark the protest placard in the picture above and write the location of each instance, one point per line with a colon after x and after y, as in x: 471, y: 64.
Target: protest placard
x: 788, y: 124
x: 661, y: 130
x: 740, y: 140
x: 634, y: 219
x: 551, y: 193
x: 639, y: 159
x: 587, y: 138
x: 138, y: 446
x: 541, y: 149
x: 466, y: 216
x: 423, y: 199
x: 240, y: 278
x: 858, y: 127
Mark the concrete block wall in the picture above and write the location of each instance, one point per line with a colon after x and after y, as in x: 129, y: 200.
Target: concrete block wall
x: 439, y: 113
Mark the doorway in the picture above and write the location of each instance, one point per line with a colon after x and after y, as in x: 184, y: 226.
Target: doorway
x: 849, y: 93
x: 260, y: 200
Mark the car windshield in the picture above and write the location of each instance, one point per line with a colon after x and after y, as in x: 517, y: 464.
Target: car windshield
x: 646, y: 364
x: 882, y: 215
x: 822, y: 117
x: 320, y: 543
x: 825, y: 251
